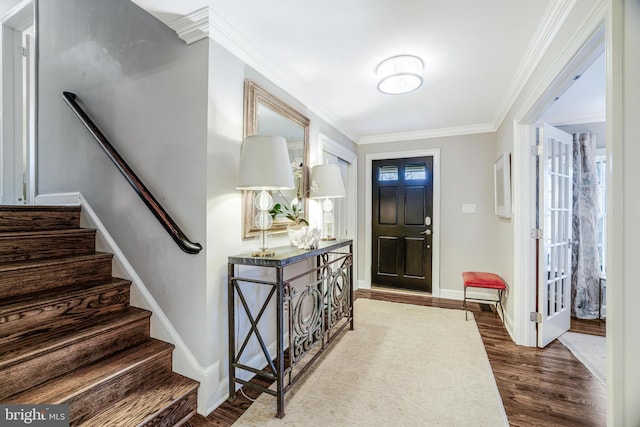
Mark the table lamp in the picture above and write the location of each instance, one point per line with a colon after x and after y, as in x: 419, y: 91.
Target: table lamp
x: 264, y: 166
x: 327, y: 181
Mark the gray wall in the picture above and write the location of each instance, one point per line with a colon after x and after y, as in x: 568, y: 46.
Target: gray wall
x: 147, y: 91
x: 467, y: 241
x: 224, y: 205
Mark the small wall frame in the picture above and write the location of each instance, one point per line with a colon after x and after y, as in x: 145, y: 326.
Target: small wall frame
x: 502, y: 185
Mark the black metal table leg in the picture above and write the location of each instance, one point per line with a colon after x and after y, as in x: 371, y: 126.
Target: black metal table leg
x: 231, y: 331
x: 280, y: 343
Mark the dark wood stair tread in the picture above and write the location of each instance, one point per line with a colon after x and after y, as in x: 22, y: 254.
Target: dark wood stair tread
x: 37, y: 275
x: 29, y: 217
x: 51, y: 296
x: 48, y: 341
x: 31, y: 245
x: 66, y: 387
x: 25, y: 315
x: 45, y: 208
x: 147, y: 404
x: 44, y: 233
x: 50, y: 262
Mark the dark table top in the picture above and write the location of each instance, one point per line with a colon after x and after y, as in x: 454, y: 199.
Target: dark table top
x: 285, y: 255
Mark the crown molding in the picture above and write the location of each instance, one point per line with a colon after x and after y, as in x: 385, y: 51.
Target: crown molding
x: 205, y: 22
x: 427, y: 134
x: 192, y: 27
x: 586, y: 45
x: 554, y: 16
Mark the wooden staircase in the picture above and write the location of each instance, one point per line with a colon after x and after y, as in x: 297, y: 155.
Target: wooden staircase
x: 68, y: 333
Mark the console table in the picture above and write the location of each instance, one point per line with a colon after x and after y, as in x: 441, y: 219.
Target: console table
x: 316, y: 304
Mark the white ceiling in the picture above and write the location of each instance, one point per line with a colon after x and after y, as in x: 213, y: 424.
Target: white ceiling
x: 584, y: 101
x: 477, y: 55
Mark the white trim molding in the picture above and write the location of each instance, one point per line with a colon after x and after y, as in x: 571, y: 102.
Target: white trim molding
x: 428, y: 133
x: 328, y: 145
x: 435, y: 264
x: 192, y: 27
x: 554, y: 16
x: 184, y: 362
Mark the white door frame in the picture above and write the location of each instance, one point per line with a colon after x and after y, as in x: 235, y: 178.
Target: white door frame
x: 435, y: 262
x: 330, y: 146
x: 14, y: 23
x: 582, y: 51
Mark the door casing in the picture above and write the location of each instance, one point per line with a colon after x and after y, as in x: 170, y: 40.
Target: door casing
x: 577, y: 58
x: 14, y: 23
x: 369, y: 158
x: 407, y: 232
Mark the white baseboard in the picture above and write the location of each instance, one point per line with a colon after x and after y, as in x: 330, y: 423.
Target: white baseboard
x: 59, y: 199
x: 184, y: 362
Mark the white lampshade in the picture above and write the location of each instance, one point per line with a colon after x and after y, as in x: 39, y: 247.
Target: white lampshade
x: 265, y: 164
x: 399, y: 74
x: 328, y: 180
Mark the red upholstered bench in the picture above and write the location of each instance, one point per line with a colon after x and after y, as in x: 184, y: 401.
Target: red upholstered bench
x: 474, y: 279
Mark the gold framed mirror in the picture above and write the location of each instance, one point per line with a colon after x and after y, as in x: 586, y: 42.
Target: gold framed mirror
x: 265, y: 114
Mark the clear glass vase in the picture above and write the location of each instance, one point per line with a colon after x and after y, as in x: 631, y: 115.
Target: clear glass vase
x: 296, y: 232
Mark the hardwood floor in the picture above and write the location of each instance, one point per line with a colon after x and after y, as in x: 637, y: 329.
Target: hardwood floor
x: 539, y: 387
x: 591, y: 327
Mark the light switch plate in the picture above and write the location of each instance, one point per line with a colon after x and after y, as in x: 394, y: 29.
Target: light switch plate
x: 469, y: 208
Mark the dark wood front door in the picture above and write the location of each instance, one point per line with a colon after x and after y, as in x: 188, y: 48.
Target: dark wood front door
x: 402, y: 221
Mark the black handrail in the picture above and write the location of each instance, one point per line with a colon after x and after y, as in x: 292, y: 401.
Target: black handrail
x: 176, y: 234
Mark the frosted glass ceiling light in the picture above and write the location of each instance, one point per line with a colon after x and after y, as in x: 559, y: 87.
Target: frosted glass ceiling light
x: 399, y: 74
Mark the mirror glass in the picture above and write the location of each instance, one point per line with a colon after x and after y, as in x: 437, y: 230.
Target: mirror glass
x: 267, y: 115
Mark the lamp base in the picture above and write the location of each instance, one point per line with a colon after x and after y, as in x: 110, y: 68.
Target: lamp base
x: 263, y: 254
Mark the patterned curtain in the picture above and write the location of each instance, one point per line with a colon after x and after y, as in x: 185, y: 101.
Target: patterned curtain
x: 585, y: 258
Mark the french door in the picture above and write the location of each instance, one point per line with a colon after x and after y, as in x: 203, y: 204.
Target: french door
x: 555, y: 210
x: 402, y: 223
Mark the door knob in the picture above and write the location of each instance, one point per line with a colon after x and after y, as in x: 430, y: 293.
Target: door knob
x: 427, y: 232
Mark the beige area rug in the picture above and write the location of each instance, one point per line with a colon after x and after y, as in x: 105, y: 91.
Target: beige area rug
x: 403, y: 365
x: 591, y: 350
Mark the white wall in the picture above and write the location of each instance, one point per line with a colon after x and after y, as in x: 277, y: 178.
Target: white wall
x: 147, y: 90
x: 7, y: 5
x: 467, y: 241
x: 623, y: 371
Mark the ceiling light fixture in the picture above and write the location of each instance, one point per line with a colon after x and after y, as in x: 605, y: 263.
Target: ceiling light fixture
x: 399, y: 74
